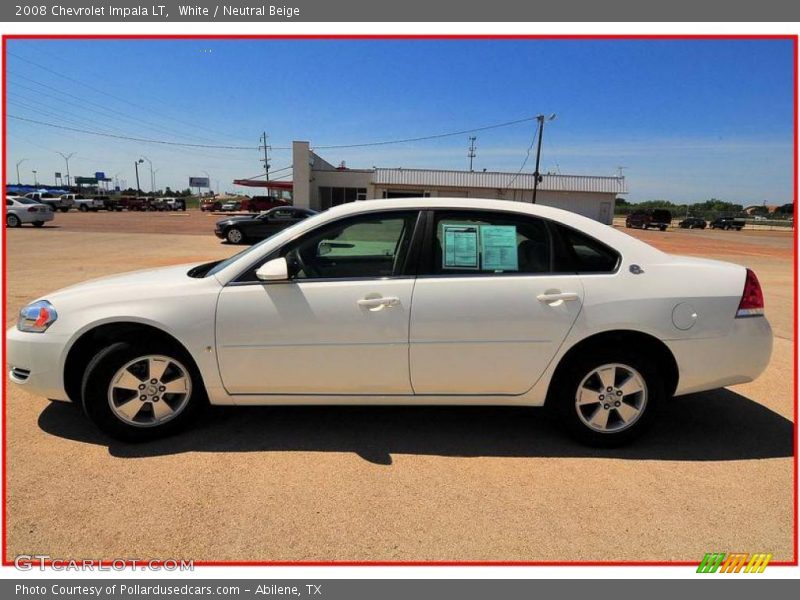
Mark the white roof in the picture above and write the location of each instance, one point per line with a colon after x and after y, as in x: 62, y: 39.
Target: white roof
x: 499, y: 180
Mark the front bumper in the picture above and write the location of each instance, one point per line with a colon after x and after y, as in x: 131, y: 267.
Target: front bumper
x: 711, y: 363
x: 36, y: 361
x: 219, y: 233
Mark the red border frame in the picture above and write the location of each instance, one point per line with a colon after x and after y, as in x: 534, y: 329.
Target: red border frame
x: 794, y: 38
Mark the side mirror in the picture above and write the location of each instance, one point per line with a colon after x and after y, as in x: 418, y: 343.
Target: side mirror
x: 274, y: 270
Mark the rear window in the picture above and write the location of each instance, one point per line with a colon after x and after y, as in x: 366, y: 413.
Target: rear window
x: 580, y: 253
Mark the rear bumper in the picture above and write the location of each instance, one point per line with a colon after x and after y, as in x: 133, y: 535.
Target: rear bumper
x: 34, y: 361
x: 711, y: 363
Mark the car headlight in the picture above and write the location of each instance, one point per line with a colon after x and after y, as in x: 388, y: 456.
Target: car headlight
x: 37, y: 317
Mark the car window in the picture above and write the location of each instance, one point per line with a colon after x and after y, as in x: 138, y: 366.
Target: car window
x: 489, y: 243
x: 9, y: 203
x: 373, y: 245
x: 580, y: 253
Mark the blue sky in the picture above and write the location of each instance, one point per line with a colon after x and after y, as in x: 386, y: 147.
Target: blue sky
x: 689, y: 120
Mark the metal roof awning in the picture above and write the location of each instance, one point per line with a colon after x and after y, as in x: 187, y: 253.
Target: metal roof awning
x: 275, y: 185
x: 499, y: 180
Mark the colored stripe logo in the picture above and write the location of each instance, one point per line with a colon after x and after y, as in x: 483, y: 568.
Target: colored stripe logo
x: 714, y: 562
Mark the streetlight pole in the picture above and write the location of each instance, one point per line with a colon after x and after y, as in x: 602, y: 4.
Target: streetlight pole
x: 35, y: 181
x: 66, y: 158
x: 19, y: 162
x: 136, y: 166
x: 536, y: 175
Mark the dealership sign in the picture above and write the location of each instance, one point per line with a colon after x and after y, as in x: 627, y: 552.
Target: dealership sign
x: 198, y: 182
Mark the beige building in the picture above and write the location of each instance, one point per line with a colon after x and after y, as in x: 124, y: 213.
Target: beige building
x: 319, y: 184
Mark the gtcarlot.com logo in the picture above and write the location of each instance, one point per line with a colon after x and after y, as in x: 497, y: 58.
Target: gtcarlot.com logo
x: 720, y: 562
x: 27, y: 562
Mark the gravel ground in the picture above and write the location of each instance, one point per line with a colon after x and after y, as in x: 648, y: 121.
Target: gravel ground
x: 328, y: 483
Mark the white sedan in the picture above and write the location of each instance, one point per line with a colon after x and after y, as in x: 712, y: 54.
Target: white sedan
x: 20, y: 210
x: 411, y: 301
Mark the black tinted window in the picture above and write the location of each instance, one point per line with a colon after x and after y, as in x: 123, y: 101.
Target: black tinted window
x: 580, y: 253
x: 489, y: 243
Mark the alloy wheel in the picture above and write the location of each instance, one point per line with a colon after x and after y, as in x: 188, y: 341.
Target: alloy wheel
x: 611, y: 398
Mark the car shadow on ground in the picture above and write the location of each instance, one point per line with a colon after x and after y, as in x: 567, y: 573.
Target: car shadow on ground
x: 711, y: 426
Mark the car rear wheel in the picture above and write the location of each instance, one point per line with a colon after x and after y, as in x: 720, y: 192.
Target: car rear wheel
x: 608, y: 398
x: 83, y: 208
x: 136, y: 392
x: 234, y: 235
x: 12, y: 221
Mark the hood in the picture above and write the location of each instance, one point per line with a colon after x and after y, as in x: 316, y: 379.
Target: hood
x: 151, y: 278
x: 236, y: 219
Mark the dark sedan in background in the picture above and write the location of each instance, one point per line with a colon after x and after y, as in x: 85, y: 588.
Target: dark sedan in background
x: 253, y: 228
x: 692, y: 223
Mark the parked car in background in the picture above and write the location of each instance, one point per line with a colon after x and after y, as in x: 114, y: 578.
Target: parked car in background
x: 210, y: 205
x: 251, y: 228
x: 20, y: 210
x: 82, y: 203
x: 645, y: 219
x: 693, y: 223
x: 727, y: 223
x: 231, y: 206
x: 174, y: 203
x: 53, y: 201
x: 404, y: 301
x: 109, y: 203
x: 262, y: 203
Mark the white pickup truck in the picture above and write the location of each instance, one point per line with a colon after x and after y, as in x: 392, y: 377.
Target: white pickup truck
x: 82, y: 203
x: 55, y: 202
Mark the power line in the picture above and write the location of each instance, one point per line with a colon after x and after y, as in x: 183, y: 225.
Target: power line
x: 428, y: 137
x: 83, y: 84
x: 130, y: 138
x: 524, y: 162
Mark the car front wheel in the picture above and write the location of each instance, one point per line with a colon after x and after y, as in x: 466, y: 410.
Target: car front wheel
x: 12, y: 221
x: 137, y: 392
x: 234, y: 235
x: 609, y: 398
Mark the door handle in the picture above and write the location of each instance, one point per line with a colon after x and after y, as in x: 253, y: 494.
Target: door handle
x: 556, y: 296
x: 375, y: 304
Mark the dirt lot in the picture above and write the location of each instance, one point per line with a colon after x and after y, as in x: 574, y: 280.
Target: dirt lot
x: 403, y: 484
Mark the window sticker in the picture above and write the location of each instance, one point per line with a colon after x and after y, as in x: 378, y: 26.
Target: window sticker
x: 460, y: 246
x: 499, y: 247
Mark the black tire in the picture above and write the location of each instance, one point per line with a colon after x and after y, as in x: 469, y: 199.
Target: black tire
x: 663, y: 228
x: 12, y: 220
x: 104, y: 366
x: 565, y: 389
x: 38, y: 223
x: 83, y: 208
x: 234, y: 235
x: 64, y: 209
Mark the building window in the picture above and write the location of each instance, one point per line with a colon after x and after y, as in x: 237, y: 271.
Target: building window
x: 334, y: 196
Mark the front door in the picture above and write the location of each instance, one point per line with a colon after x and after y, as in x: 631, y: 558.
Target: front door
x: 490, y: 313
x: 339, y: 326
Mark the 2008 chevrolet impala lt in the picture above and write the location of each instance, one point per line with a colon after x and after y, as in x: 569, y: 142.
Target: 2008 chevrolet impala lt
x: 411, y: 301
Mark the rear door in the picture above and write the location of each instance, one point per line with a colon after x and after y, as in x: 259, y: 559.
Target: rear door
x: 488, y: 311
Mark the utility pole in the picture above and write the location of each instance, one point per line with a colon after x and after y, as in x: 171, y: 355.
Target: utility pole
x: 537, y: 178
x: 66, y: 158
x: 471, y: 153
x: 19, y: 162
x: 263, y: 146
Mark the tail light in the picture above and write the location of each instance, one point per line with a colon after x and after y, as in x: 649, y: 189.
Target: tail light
x: 33, y: 209
x: 752, y: 302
